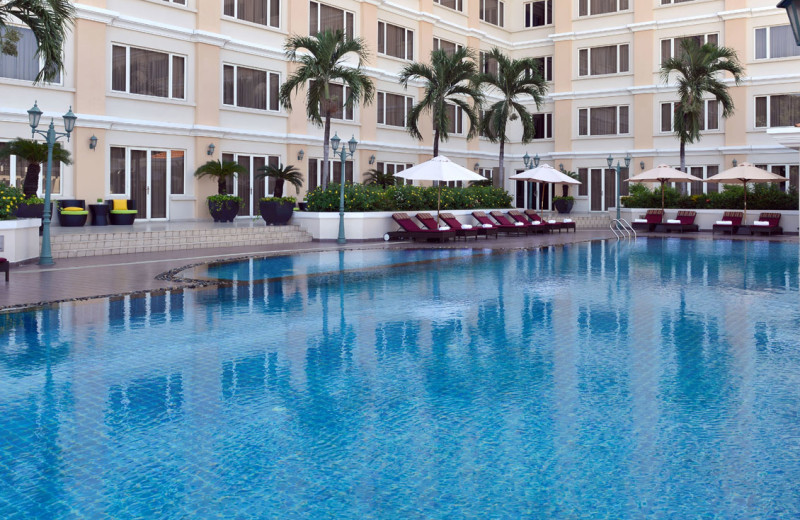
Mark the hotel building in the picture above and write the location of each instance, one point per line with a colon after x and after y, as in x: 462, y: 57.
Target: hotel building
x: 165, y: 85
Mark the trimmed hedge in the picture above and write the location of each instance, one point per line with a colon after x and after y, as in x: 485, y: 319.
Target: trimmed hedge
x: 361, y: 197
x: 760, y: 197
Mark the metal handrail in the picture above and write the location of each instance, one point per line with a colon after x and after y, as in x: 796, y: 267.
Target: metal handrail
x: 622, y: 228
x: 633, y: 230
x: 612, y: 227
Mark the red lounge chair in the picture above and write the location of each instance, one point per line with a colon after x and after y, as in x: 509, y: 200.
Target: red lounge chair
x: 4, y: 264
x: 454, y: 223
x: 481, y: 217
x: 735, y: 219
x: 653, y: 218
x: 429, y: 221
x: 686, y: 223
x: 414, y: 232
x: 518, y: 216
x: 773, y: 227
x: 547, y: 226
x: 504, y: 220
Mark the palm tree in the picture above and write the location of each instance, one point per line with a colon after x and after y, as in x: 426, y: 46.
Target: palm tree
x: 282, y: 174
x: 513, y: 80
x: 323, y: 64
x: 448, y: 79
x: 49, y: 20
x: 697, y: 67
x: 220, y: 170
x: 382, y: 179
x: 35, y: 153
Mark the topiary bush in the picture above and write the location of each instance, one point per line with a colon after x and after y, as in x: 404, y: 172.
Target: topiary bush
x: 760, y: 197
x: 361, y: 197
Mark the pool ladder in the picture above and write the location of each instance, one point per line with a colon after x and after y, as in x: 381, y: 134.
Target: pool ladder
x: 622, y: 229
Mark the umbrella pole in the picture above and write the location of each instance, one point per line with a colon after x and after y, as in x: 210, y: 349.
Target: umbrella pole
x: 438, y: 203
x: 744, y: 183
x: 662, y: 199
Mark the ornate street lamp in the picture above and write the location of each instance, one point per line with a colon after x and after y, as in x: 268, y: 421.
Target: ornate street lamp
x: 51, y: 136
x: 793, y: 11
x: 343, y: 155
x: 610, y: 161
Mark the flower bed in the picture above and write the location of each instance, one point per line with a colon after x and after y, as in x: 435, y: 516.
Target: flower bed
x: 363, y: 198
x: 760, y: 197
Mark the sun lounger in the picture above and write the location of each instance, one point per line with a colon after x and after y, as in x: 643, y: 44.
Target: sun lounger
x: 652, y: 219
x: 731, y: 220
x: 767, y: 223
x: 484, y: 220
x: 538, y: 227
x: 454, y: 223
x: 549, y: 226
x: 429, y: 221
x: 506, y: 220
x: 414, y: 232
x: 683, y: 222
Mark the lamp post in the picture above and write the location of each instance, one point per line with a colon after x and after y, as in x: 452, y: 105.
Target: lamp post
x: 51, y: 136
x: 343, y: 155
x: 610, y: 161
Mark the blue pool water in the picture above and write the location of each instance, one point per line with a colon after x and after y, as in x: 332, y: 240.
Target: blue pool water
x: 650, y: 380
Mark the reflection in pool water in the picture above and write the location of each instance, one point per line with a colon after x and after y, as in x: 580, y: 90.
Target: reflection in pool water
x: 620, y: 380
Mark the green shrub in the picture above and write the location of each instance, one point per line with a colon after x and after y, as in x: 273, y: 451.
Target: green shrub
x: 10, y: 199
x: 760, y: 197
x: 361, y: 197
x: 291, y: 200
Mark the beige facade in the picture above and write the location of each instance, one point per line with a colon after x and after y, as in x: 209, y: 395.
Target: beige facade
x: 150, y: 142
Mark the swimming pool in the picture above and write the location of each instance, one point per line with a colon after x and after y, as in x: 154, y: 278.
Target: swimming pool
x: 653, y: 379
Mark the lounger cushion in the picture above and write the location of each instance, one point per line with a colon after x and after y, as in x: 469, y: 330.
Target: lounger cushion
x: 724, y: 223
x: 489, y: 226
x: 444, y: 228
x: 761, y: 223
x: 123, y: 211
x: 551, y: 221
x: 74, y: 212
x: 674, y: 221
x: 466, y: 226
x: 567, y: 220
x: 640, y: 221
x: 518, y: 224
x: 72, y: 208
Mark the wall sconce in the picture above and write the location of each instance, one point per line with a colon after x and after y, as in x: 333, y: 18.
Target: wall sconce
x: 372, y: 159
x: 210, y: 150
x: 300, y: 154
x: 641, y: 165
x: 93, y: 142
x: 735, y: 163
x: 561, y: 166
x: 477, y: 165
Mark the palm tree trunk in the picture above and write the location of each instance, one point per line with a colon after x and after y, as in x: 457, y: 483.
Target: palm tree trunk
x: 31, y: 182
x: 501, y: 171
x: 683, y: 156
x: 436, y: 142
x: 326, y: 138
x: 278, y: 188
x: 221, y: 182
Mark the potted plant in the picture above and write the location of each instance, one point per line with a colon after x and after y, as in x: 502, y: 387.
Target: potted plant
x: 35, y: 153
x: 564, y: 204
x: 31, y: 207
x: 222, y: 206
x: 278, y: 210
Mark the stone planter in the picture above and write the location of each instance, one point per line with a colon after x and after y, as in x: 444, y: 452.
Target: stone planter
x: 224, y: 211
x: 276, y: 213
x: 563, y: 206
x: 19, y: 239
x: 30, y: 211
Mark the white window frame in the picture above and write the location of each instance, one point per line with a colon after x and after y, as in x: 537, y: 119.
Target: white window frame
x: 58, y: 82
x: 768, y: 97
x: 767, y: 30
x: 459, y: 5
x: 409, y: 33
x: 345, y: 12
x: 483, y: 63
x: 437, y: 43
x: 590, y: 13
x: 394, y: 165
x: 459, y: 121
x: 528, y: 14
x: 501, y: 10
x: 344, y: 117
x: 673, y: 42
x: 704, y: 127
x: 589, y: 121
x: 548, y: 123
x: 408, y: 102
x: 589, y: 50
x: 545, y: 59
x: 269, y: 73
x: 235, y: 14
x: 128, y: 71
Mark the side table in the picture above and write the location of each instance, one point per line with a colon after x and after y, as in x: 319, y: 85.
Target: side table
x: 99, y: 214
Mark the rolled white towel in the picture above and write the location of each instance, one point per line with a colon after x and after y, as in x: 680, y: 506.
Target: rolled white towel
x: 551, y: 221
x: 724, y: 222
x: 640, y: 221
x: 466, y: 226
x: 537, y: 223
x: 487, y: 226
x: 567, y: 220
x: 761, y: 223
x: 673, y: 221
x: 444, y: 228
x: 518, y: 224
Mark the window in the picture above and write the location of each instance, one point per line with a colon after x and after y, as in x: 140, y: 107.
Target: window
x: 782, y: 110
x: 672, y: 46
x: 782, y: 169
x: 543, y: 124
x: 149, y: 73
x: 335, y: 174
x: 486, y: 172
x: 538, y: 13
x: 338, y: 98
x: 395, y: 41
x: 262, y: 12
x: 147, y: 176
x: 592, y: 7
x: 393, y: 168
x: 488, y: 65
x: 448, y: 47
x: 250, y: 88
x: 483, y: 131
x: 393, y: 109
x: 697, y: 187
x: 26, y: 64
x: 709, y: 119
x: 666, y: 2
x: 545, y: 67
x: 13, y: 170
x: 455, y: 119
x: 324, y: 17
x: 603, y: 120
x: 491, y: 11
x: 775, y: 42
x: 597, y: 61
x: 249, y: 185
x: 458, y: 5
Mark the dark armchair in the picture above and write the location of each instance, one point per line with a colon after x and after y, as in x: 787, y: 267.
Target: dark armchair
x: 121, y: 217
x: 72, y: 212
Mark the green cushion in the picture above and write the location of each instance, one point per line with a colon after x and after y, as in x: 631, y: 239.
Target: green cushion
x: 72, y: 212
x: 123, y: 212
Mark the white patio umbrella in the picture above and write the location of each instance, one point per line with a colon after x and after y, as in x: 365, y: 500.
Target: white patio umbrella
x: 663, y: 173
x: 440, y: 169
x: 744, y: 173
x: 546, y: 174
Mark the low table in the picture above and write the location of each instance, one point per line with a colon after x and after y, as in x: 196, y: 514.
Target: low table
x: 99, y: 214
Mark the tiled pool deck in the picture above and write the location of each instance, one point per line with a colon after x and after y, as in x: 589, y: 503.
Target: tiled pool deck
x: 77, y: 278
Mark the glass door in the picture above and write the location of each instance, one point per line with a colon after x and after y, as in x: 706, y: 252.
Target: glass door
x: 149, y: 187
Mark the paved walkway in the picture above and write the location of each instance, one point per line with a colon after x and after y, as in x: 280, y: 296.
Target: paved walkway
x: 78, y: 278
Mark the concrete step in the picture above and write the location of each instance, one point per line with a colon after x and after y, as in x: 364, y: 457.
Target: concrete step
x: 115, y: 242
